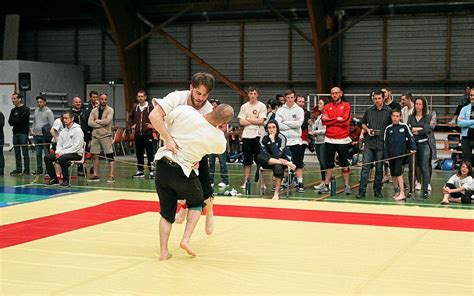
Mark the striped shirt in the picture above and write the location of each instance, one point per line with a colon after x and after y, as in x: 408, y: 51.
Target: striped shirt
x: 377, y: 120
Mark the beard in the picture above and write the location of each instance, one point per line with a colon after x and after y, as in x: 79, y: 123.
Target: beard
x: 195, y: 103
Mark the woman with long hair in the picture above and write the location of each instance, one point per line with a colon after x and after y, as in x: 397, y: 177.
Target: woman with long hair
x: 319, y: 131
x: 419, y: 124
x: 456, y: 187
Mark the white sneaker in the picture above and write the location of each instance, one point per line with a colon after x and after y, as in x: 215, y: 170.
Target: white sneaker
x: 222, y: 184
x: 429, y: 187
x: 417, y: 186
x: 320, y: 186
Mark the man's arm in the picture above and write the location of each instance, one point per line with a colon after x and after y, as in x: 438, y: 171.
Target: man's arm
x: 92, y: 121
x: 157, y: 120
x: 107, y: 120
x: 50, y: 117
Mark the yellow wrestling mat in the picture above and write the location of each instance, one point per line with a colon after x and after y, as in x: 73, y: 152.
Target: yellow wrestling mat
x: 106, y: 242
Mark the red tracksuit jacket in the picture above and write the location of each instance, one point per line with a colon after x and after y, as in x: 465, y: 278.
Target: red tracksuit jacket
x: 337, y: 129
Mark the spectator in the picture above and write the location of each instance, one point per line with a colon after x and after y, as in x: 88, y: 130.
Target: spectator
x: 456, y: 187
x: 222, y: 157
x: 20, y: 121
x: 336, y: 117
x: 407, y: 109
x: 139, y: 121
x: 88, y: 106
x: 251, y: 117
x: 274, y: 154
x: 398, y: 140
x: 43, y: 119
x: 374, y: 122
x: 80, y: 117
x: 2, y: 143
x: 290, y: 117
x: 354, y: 134
x: 58, y: 126
x: 69, y: 147
x: 300, y: 101
x: 281, y: 98
x: 387, y: 95
x: 101, y: 122
x: 419, y: 123
x: 319, y: 131
x: 466, y: 123
x: 464, y: 101
x: 273, y: 106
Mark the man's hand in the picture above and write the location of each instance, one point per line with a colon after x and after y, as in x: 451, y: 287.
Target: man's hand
x: 133, y: 126
x: 370, y: 132
x: 171, y: 145
x: 196, y: 165
x: 58, y: 155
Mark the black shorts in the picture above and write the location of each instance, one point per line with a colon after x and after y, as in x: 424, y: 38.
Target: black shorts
x: 251, y: 149
x: 172, y: 184
x: 297, y: 152
x: 396, y: 167
x: 342, y: 151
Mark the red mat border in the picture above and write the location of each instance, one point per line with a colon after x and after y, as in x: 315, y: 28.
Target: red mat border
x: 34, y: 229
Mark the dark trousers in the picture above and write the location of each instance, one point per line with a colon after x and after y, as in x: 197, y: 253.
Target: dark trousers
x: 223, y: 166
x: 22, y: 140
x: 423, y: 164
x: 466, y: 146
x: 63, y: 161
x: 40, y: 146
x: 2, y: 158
x: 142, y: 143
x: 320, y: 153
x: 204, y: 178
x: 369, y: 155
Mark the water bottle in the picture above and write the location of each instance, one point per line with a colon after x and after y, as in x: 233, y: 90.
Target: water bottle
x: 333, y: 186
x: 247, y: 187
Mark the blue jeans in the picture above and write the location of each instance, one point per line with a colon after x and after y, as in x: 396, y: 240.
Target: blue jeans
x: 423, y: 164
x: 40, y: 146
x: 369, y: 155
x: 223, y: 167
x: 21, y: 139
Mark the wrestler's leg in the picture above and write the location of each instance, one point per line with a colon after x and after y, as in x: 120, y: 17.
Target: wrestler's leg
x: 209, y: 215
x: 165, y: 229
x: 182, y: 211
x: 191, y: 221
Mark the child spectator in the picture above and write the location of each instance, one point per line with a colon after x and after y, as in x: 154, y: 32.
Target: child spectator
x: 398, y: 139
x: 456, y: 187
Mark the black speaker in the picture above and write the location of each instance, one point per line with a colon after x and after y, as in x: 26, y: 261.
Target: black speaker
x: 24, y: 81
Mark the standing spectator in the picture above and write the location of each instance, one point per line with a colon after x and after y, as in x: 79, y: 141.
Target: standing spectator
x: 354, y: 134
x: 20, y: 121
x: 274, y: 154
x: 464, y: 102
x: 69, y: 147
x: 336, y: 117
x: 251, y: 117
x: 43, y: 119
x: 140, y: 122
x: 419, y: 123
x: 387, y: 96
x: 374, y: 122
x: 300, y: 101
x: 455, y: 188
x: 88, y: 106
x: 273, y: 106
x: 101, y: 122
x: 466, y: 123
x: 319, y: 130
x: 222, y: 157
x: 398, y: 140
x: 81, y: 118
x: 408, y: 107
x: 2, y: 143
x: 290, y: 117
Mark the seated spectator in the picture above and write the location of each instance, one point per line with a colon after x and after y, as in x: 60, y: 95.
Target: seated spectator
x: 275, y: 154
x: 354, y: 149
x: 69, y: 147
x: 456, y: 187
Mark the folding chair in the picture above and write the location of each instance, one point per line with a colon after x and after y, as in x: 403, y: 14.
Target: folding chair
x: 118, y: 139
x: 77, y: 163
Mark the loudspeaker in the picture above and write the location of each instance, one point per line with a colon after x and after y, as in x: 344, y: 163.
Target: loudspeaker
x: 24, y: 81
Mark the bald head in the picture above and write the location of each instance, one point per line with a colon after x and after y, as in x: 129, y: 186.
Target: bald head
x: 221, y: 114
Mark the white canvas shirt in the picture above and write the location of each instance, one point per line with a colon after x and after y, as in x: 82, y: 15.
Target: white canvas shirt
x: 177, y: 98
x: 258, y: 110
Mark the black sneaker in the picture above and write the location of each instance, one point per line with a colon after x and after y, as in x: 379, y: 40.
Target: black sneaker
x: 26, y: 172
x: 94, y: 179
x: 138, y: 174
x: 378, y: 194
x: 300, y: 188
x: 64, y: 184
x: 38, y: 172
x: 15, y: 173
x: 52, y: 182
x: 360, y: 194
x: 426, y: 195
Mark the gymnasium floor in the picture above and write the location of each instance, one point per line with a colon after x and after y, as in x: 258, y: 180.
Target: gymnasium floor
x: 103, y: 239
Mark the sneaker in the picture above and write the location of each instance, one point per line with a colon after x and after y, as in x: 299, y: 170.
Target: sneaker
x: 378, y: 194
x: 222, y: 184
x: 426, y: 195
x: 26, y: 172
x: 94, y: 178
x: 64, y: 184
x: 138, y: 174
x: 324, y: 189
x: 300, y: 188
x: 15, y: 173
x: 80, y: 173
x: 52, y: 182
x: 429, y: 187
x: 320, y: 186
x: 151, y: 175
x: 347, y: 190
x: 111, y: 180
x: 417, y: 186
x: 38, y: 172
x: 360, y: 194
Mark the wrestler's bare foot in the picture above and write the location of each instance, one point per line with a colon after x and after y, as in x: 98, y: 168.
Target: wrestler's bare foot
x: 185, y: 246
x: 209, y: 222
x: 164, y: 257
x: 181, y: 215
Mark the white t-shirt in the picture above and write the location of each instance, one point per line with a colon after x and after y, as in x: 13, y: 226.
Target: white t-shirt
x: 258, y: 110
x: 195, y: 138
x: 58, y: 126
x: 458, y: 182
x: 177, y: 98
